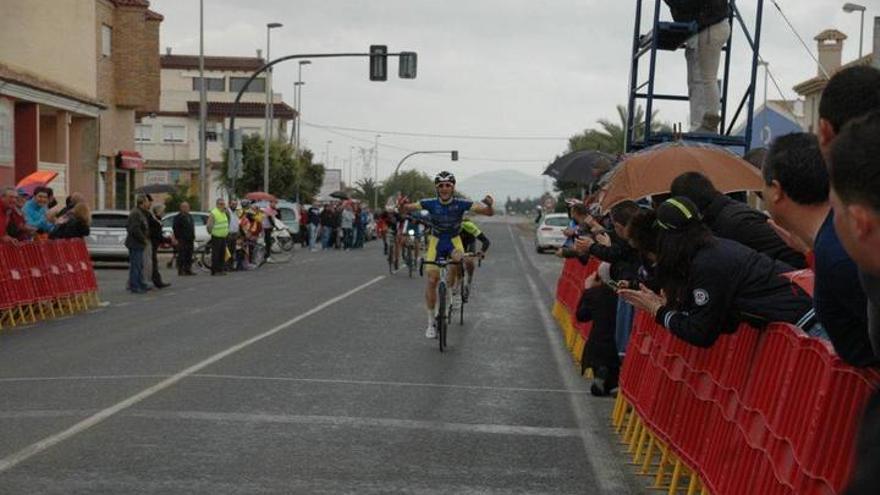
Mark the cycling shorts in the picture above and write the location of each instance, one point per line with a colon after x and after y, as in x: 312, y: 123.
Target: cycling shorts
x: 441, y: 248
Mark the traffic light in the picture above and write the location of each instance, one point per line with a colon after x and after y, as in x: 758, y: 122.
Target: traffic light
x: 378, y: 62
x: 455, y: 155
x: 407, y: 66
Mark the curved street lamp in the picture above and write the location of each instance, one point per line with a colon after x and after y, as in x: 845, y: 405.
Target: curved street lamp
x: 453, y: 155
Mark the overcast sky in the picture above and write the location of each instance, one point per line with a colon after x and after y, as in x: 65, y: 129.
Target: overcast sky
x: 515, y: 68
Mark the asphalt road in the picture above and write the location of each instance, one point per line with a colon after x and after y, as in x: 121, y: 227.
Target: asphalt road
x: 312, y: 376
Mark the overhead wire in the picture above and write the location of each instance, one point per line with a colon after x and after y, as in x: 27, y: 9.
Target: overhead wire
x: 438, y: 136
x: 801, y: 39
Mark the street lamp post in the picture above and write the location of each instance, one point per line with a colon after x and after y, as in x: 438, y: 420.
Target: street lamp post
x: 297, y: 105
x: 453, y: 155
x: 327, y: 153
x: 854, y: 7
x: 376, y: 183
x: 203, y: 111
x: 269, y: 27
x: 299, y: 99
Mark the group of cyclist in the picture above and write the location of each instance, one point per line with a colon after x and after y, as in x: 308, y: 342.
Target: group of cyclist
x: 441, y: 223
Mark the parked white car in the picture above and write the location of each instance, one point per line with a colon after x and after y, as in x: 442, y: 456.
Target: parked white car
x: 200, y: 219
x: 549, y: 234
x: 106, y: 241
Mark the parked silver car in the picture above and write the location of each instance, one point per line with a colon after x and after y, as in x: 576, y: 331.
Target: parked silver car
x: 106, y: 242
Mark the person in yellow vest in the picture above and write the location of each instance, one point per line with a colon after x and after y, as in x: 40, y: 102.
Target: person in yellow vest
x: 218, y: 227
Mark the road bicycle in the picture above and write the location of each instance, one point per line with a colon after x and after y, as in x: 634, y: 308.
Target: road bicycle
x: 444, y: 309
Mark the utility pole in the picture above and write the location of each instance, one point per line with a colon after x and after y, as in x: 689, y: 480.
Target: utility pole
x: 376, y: 185
x: 203, y: 111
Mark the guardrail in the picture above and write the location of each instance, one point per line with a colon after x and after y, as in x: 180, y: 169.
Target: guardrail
x: 758, y: 412
x: 40, y: 280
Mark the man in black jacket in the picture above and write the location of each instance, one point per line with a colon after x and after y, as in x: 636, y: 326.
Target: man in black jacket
x: 185, y: 236
x: 703, y: 55
x: 796, y: 195
x: 733, y: 220
x: 136, y: 241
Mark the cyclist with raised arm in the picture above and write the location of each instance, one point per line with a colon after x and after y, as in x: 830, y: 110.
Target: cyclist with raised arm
x: 445, y: 214
x: 470, y: 234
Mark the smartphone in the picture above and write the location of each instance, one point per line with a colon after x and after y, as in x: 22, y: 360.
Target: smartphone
x: 612, y: 284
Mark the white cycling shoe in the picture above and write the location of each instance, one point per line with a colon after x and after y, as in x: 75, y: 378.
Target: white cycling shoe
x: 431, y: 332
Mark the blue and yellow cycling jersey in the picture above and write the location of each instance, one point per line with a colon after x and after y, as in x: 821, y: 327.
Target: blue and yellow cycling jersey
x: 445, y: 221
x: 446, y: 217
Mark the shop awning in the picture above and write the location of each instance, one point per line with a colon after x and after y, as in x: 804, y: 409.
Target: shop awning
x: 130, y: 160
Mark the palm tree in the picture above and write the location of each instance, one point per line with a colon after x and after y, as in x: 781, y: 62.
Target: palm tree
x: 611, y: 138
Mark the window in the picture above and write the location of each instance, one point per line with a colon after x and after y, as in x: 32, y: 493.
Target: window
x: 173, y: 133
x: 109, y: 220
x: 557, y: 221
x: 256, y: 86
x: 214, y: 84
x: 143, y: 133
x: 211, y: 136
x: 106, y: 39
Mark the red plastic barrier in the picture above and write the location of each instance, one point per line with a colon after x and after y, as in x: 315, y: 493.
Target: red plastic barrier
x: 43, y: 272
x: 774, y: 412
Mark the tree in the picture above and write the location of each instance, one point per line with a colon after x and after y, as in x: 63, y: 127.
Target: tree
x: 289, y: 176
x: 413, y: 184
x: 611, y: 138
x: 365, y: 190
x: 172, y: 203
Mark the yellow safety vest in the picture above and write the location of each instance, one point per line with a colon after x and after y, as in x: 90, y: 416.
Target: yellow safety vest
x: 221, y: 223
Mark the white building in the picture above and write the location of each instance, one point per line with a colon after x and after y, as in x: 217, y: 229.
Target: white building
x: 169, y: 139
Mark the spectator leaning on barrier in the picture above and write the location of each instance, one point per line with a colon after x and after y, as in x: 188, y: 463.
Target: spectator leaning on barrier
x: 218, y: 227
x: 138, y: 231
x: 184, y: 236
x: 855, y: 179
x: 796, y: 195
x: 36, y: 210
x: 12, y: 224
x: 710, y: 285
x: 598, y: 303
x: 734, y: 220
x: 77, y: 223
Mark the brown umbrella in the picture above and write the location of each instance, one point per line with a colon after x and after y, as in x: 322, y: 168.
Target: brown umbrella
x: 652, y: 171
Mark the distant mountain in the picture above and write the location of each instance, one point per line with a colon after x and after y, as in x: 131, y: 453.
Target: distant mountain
x: 501, y: 184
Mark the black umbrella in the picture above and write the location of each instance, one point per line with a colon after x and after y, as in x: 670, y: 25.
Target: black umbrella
x: 157, y: 189
x: 340, y: 195
x: 578, y: 166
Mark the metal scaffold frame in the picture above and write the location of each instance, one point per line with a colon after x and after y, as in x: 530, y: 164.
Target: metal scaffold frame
x: 669, y: 36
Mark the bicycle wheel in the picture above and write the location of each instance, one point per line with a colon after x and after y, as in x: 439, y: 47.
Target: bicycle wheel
x: 276, y: 246
x: 441, y: 315
x: 206, y: 256
x: 258, y: 255
x: 286, y: 243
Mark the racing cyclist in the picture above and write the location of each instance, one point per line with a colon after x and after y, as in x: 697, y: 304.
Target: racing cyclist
x: 445, y: 214
x: 470, y: 234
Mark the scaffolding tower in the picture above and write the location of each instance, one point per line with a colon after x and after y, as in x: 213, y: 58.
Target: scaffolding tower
x: 671, y: 36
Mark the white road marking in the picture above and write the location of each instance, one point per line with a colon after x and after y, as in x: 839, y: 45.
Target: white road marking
x: 26, y: 453
x: 597, y: 450
x: 357, y: 422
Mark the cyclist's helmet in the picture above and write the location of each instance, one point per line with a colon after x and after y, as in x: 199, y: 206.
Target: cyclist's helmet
x: 444, y: 176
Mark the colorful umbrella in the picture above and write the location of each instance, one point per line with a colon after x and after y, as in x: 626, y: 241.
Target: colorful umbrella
x: 652, y: 171
x: 40, y: 178
x: 260, y: 196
